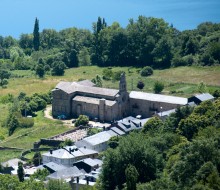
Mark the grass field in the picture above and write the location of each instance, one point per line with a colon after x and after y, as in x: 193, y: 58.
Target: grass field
x: 9, y: 154
x: 183, y: 79
x: 180, y: 81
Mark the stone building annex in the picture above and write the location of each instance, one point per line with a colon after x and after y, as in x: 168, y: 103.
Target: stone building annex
x: 76, y: 98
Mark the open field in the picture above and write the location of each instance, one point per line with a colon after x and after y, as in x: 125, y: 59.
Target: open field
x: 183, y: 79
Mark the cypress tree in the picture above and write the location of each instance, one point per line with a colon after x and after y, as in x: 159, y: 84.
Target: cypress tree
x: 20, y: 172
x: 36, y: 39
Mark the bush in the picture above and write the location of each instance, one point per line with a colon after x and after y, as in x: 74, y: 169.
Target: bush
x: 82, y: 120
x: 158, y: 87
x: 216, y: 93
x: 58, y: 68
x: 140, y: 85
x: 26, y: 122
x: 107, y: 74
x: 146, y: 71
x: 117, y: 75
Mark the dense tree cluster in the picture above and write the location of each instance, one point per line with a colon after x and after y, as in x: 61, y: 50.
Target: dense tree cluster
x: 13, y: 183
x: 181, y: 152
x: 143, y: 42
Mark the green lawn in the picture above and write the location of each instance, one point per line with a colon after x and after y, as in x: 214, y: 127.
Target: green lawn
x: 9, y: 154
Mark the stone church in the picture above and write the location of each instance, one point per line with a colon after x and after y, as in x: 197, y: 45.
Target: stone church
x: 84, y: 98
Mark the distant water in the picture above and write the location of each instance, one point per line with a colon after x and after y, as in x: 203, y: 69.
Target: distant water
x: 17, y: 16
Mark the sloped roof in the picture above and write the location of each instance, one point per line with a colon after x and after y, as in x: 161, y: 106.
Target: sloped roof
x: 60, y: 153
x: 158, y: 98
x: 65, y: 173
x: 93, y: 100
x: 204, y: 97
x: 99, y: 138
x: 86, y: 83
x: 117, y: 130
x: 76, y: 87
x: 91, y: 162
x: 54, y: 166
x: 12, y: 162
x: 64, y: 153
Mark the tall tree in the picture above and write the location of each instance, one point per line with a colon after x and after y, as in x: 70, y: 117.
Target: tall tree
x: 36, y: 34
x: 20, y: 172
x: 131, y: 177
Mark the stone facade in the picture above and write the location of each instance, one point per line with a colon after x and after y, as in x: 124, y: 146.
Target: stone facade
x: 76, y: 98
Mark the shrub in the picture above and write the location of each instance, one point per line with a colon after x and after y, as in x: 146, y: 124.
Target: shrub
x: 117, y: 75
x: 82, y: 120
x: 140, y: 85
x: 146, y: 71
x: 216, y: 93
x: 26, y: 122
x: 158, y: 87
x: 107, y: 74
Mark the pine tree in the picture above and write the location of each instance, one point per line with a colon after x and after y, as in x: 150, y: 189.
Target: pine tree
x: 36, y: 39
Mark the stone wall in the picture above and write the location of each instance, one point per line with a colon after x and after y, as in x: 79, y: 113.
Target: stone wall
x: 147, y: 108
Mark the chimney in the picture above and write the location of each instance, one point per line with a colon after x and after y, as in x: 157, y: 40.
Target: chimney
x: 70, y: 150
x: 84, y: 146
x: 77, y: 179
x: 51, y: 151
x: 140, y: 124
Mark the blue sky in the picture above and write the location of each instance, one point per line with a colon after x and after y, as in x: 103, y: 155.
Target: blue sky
x: 17, y: 16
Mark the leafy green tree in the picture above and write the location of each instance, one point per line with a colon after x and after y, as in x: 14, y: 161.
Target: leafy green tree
x: 152, y: 125
x: 131, y: 177
x: 40, y: 71
x: 26, y: 42
x: 98, y: 81
x: 194, y: 158
x: 158, y: 87
x: 107, y: 74
x: 113, y: 142
x: 58, y: 68
x: 84, y: 57
x: 117, y: 75
x: 49, y: 38
x: 20, y: 172
x: 131, y: 150
x: 12, y: 183
x: 12, y: 124
x: 40, y: 174
x: 37, y: 159
x: 57, y: 185
x: 36, y: 35
x: 201, y: 87
x: 146, y: 71
x: 93, y: 131
x: 82, y: 120
x: 4, y: 75
x: 67, y: 142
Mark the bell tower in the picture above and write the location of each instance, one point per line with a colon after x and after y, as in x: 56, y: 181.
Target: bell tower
x: 122, y: 84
